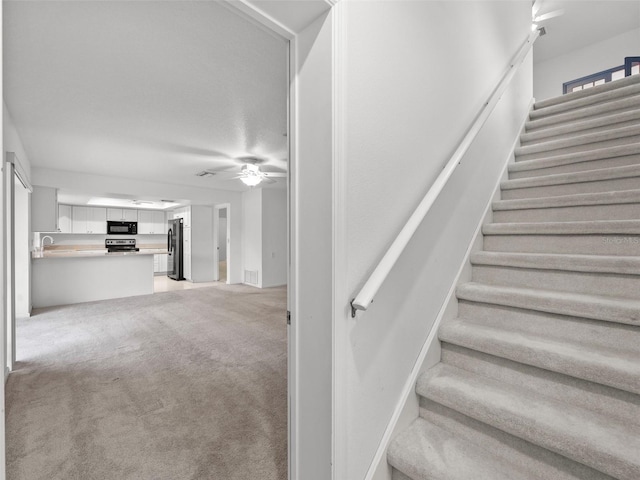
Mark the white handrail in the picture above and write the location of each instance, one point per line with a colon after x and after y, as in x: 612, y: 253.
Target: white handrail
x: 377, y: 278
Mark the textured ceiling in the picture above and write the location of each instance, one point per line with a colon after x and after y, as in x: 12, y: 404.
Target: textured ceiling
x: 153, y: 90
x: 584, y: 22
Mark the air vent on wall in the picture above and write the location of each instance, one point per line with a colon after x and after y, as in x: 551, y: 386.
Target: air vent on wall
x: 251, y: 277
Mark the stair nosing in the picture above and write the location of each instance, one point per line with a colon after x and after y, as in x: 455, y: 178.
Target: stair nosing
x: 563, y: 262
x: 550, y: 355
x: 617, y: 310
x: 616, y: 197
x: 586, y: 112
x: 586, y: 176
x: 579, y: 140
x: 596, y: 227
x: 581, y: 125
x: 576, y: 157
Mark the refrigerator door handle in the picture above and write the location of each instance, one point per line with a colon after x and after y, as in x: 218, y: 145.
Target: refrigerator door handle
x: 169, y: 240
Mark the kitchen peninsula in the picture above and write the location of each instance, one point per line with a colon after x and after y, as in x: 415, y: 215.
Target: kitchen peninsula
x: 73, y: 275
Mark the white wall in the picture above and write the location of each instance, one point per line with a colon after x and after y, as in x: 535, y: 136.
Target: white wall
x: 274, y: 237
x: 417, y: 73
x: 549, y: 75
x: 222, y: 237
x: 312, y: 238
x: 252, y: 233
x: 12, y: 142
x: 3, y: 327
x: 95, y: 184
x: 22, y: 251
x: 264, y: 235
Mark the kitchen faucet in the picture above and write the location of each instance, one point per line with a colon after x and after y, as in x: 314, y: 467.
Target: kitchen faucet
x: 42, y: 242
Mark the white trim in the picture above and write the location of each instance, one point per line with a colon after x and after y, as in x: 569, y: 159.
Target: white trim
x: 19, y: 171
x: 432, y: 338
x: 341, y: 314
x: 216, y: 242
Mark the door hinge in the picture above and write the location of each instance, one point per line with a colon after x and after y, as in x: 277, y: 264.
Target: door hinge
x: 288, y: 317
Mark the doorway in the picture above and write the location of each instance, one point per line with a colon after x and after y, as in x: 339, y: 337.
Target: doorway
x: 221, y: 242
x: 17, y: 299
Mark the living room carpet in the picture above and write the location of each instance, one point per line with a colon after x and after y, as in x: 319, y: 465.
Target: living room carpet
x: 178, y: 385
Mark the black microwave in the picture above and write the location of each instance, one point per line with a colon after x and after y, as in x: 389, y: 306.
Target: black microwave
x: 122, y: 228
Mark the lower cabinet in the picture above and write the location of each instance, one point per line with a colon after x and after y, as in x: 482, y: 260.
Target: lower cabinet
x: 160, y: 264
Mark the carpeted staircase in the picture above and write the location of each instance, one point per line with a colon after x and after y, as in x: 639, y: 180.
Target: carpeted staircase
x: 540, y: 373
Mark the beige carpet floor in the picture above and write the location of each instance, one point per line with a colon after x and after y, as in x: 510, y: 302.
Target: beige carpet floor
x: 177, y: 385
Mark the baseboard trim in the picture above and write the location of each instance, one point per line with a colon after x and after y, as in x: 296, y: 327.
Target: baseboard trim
x: 432, y: 338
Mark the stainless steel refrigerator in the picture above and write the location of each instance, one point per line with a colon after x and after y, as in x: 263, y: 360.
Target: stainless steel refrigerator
x: 174, y: 245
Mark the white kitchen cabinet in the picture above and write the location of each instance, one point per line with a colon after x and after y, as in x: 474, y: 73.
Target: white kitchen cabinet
x: 89, y: 220
x: 79, y: 217
x: 122, y: 214
x: 160, y: 263
x: 185, y: 214
x: 163, y: 263
x: 186, y: 253
x: 44, y: 209
x: 151, y: 222
x: 65, y: 219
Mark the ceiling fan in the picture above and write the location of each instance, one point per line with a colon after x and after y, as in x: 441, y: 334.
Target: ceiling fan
x: 250, y: 173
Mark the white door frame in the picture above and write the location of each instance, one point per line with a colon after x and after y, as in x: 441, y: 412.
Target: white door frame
x: 291, y: 21
x: 216, y: 237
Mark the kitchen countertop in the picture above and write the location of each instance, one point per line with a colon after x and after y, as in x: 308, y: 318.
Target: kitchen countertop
x: 73, y: 253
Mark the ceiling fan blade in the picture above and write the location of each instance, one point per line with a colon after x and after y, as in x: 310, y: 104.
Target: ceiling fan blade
x: 547, y: 16
x: 274, y: 174
x: 536, y: 7
x: 268, y: 180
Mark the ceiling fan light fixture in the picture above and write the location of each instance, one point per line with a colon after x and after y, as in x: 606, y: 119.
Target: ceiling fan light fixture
x: 251, y: 181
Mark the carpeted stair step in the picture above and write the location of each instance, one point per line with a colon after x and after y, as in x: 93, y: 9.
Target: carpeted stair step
x: 576, y: 433
x: 595, y: 111
x: 427, y: 452
x: 581, y: 127
x: 609, y: 86
x: 580, y: 143
x: 574, y: 162
x: 589, y: 274
x: 620, y: 205
x: 592, y: 98
x: 450, y: 446
x: 580, y: 332
x: 566, y: 357
x: 621, y: 405
x: 596, y: 307
x: 397, y: 475
x: 618, y: 237
x: 588, y: 181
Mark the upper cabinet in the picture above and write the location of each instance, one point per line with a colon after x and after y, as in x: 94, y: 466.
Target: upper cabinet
x: 122, y: 215
x: 44, y: 209
x: 151, y: 222
x: 65, y: 219
x: 89, y: 220
x: 185, y: 214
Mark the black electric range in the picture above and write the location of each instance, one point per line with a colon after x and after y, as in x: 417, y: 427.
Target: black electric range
x: 121, y: 245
